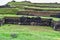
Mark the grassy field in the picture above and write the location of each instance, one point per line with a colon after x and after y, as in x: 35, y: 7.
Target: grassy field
x: 25, y: 32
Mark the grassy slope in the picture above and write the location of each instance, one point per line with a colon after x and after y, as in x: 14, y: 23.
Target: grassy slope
x: 20, y: 6
x: 45, y: 6
x: 38, y: 8
x: 48, y: 4
x: 8, y: 10
x: 28, y: 32
x: 34, y: 4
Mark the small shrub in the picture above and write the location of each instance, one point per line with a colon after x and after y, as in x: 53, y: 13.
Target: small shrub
x: 14, y: 35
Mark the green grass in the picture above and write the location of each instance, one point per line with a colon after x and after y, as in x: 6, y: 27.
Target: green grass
x: 41, y: 6
x: 56, y: 19
x: 8, y: 15
x: 9, y: 10
x: 26, y: 32
x: 45, y: 9
x: 34, y: 4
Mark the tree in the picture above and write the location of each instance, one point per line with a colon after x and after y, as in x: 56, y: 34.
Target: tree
x: 13, y: 1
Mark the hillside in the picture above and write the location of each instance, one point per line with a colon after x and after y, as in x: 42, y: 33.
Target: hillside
x: 35, y: 6
x: 19, y: 6
x: 19, y: 27
x: 24, y: 32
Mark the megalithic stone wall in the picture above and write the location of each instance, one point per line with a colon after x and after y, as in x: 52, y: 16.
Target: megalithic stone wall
x: 56, y: 25
x: 1, y: 22
x: 12, y: 20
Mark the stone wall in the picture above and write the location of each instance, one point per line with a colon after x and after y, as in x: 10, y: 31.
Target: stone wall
x: 38, y: 13
x: 28, y: 21
x: 1, y: 22
x: 56, y: 25
x: 12, y: 20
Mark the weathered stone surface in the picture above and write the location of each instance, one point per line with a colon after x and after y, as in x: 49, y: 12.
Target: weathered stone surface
x: 38, y: 13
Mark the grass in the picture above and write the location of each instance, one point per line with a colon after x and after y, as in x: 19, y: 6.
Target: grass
x: 39, y: 8
x: 9, y: 10
x: 56, y: 19
x: 43, y: 5
x: 8, y: 15
x: 34, y: 4
x: 26, y: 32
